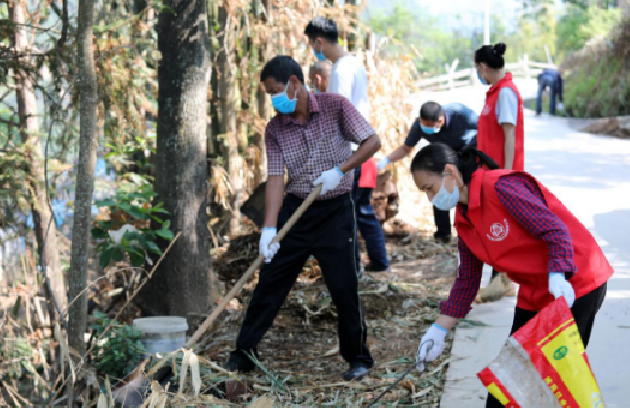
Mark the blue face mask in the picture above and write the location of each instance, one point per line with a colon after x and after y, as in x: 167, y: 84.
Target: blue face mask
x: 282, y: 103
x: 429, y: 130
x: 483, y: 81
x: 444, y: 200
x: 319, y: 55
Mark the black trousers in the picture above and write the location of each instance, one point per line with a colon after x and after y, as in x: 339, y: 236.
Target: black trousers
x: 543, y: 83
x: 442, y: 223
x: 584, y: 310
x: 327, y: 230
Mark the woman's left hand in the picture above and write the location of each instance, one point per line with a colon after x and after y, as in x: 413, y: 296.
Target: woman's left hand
x: 559, y: 286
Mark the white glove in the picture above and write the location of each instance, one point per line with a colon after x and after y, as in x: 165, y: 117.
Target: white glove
x: 382, y: 164
x: 268, y: 251
x: 431, y: 345
x: 561, y: 106
x: 559, y: 286
x: 329, y: 180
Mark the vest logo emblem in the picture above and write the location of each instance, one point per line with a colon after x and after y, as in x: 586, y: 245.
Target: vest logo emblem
x: 499, y: 231
x: 486, y: 109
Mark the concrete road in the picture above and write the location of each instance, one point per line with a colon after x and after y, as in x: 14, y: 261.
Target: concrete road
x: 590, y: 174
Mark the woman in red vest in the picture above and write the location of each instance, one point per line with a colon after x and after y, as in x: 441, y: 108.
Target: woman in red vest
x: 500, y: 131
x: 510, y: 221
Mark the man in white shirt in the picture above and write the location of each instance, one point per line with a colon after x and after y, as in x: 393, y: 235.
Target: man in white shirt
x: 348, y: 78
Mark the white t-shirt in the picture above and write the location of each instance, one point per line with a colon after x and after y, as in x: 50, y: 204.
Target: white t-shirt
x: 348, y: 78
x: 507, y: 106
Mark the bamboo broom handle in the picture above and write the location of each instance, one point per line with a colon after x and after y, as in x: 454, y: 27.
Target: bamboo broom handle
x: 241, y: 282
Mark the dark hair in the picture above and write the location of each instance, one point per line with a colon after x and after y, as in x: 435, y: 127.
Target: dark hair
x: 491, y: 55
x: 281, y: 68
x: 322, y: 27
x: 434, y: 157
x: 431, y: 111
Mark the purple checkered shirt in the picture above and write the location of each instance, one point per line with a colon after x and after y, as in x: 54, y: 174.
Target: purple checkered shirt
x: 322, y: 143
x: 525, y: 202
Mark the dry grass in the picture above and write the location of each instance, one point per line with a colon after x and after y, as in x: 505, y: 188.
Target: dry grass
x: 299, y: 361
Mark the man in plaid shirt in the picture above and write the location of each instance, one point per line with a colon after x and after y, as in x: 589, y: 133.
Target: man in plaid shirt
x: 310, y: 137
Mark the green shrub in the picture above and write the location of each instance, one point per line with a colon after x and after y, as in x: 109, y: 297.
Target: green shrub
x: 16, y: 355
x: 580, y: 25
x: 598, y: 82
x: 121, y: 350
x: 132, y: 205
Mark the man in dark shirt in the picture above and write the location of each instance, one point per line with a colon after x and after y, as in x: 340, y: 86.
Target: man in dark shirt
x: 454, y: 125
x: 550, y: 78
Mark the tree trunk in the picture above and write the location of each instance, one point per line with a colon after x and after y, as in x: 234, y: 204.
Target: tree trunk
x: 45, y: 228
x: 264, y: 105
x: 227, y: 105
x: 88, y: 100
x: 180, y: 285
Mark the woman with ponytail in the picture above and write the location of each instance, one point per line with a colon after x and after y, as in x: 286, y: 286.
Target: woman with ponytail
x: 510, y: 221
x: 500, y: 126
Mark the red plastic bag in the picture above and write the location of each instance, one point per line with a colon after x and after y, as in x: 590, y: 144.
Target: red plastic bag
x: 544, y: 364
x: 369, y: 172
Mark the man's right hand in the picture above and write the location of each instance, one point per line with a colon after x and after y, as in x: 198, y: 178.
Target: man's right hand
x: 382, y: 164
x: 267, y: 250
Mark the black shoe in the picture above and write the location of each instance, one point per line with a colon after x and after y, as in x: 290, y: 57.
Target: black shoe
x: 239, y: 361
x: 356, y: 371
x: 370, y: 268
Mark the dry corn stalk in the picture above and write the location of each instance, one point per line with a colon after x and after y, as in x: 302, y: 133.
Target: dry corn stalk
x: 158, y: 397
x: 262, y: 402
x: 102, y: 401
x: 190, y: 359
x: 65, y: 353
x: 108, y: 388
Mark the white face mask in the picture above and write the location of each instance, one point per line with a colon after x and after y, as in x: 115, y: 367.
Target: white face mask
x: 444, y: 200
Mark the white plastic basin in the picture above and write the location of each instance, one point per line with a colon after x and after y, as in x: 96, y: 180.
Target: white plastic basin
x: 162, y: 334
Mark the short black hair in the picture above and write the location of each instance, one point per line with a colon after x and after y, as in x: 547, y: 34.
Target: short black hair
x: 491, y: 55
x: 324, y: 28
x: 281, y: 68
x: 431, y: 111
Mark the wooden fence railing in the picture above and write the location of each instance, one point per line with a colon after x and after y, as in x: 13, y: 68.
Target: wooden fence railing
x: 466, y: 77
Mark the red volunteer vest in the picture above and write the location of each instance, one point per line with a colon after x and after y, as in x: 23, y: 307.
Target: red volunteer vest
x: 497, y: 239
x: 490, y: 136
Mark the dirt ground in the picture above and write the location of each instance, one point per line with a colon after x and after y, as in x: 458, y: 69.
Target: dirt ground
x: 301, y: 349
x: 299, y: 356
x: 609, y: 127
